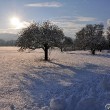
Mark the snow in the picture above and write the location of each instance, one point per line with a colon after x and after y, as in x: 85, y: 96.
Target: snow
x: 73, y: 80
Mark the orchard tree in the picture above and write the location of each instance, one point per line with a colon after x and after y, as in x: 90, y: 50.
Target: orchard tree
x: 43, y: 36
x: 90, y: 37
x: 95, y: 39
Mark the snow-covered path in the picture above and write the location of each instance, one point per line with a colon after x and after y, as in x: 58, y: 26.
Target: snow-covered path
x: 27, y: 82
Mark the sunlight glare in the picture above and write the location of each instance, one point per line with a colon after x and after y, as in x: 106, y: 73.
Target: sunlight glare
x: 15, y: 21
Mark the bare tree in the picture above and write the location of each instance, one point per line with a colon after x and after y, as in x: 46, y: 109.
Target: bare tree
x: 43, y: 36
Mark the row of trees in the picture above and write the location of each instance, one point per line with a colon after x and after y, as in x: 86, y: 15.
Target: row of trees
x: 7, y: 43
x: 47, y: 35
x: 92, y: 37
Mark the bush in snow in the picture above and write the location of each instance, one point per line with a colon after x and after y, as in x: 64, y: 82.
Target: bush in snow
x: 58, y: 104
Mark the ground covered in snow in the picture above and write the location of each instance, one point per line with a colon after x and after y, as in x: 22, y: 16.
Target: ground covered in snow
x: 69, y: 81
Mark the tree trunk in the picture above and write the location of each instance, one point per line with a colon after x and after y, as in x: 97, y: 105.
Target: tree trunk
x: 46, y: 51
x: 61, y: 49
x: 93, y: 51
x: 109, y: 46
x: 100, y: 50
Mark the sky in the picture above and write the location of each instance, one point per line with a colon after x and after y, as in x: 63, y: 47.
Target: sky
x: 70, y: 15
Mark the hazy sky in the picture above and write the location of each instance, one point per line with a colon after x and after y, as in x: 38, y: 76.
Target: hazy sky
x: 70, y: 15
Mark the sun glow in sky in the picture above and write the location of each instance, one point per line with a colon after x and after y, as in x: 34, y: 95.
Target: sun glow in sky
x: 15, y: 21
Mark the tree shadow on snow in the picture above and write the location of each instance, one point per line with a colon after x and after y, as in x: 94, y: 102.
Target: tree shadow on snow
x: 44, y: 83
x: 89, y: 54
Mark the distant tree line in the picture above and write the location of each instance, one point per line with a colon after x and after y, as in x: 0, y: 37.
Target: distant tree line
x: 7, y: 43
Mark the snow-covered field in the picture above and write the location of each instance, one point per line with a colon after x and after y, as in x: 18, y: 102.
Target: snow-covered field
x: 69, y: 81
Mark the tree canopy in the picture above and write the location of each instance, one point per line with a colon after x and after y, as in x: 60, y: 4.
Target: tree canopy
x: 90, y: 37
x: 43, y: 36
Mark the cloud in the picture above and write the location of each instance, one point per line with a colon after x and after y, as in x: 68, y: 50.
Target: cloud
x: 15, y: 30
x: 45, y: 4
x: 86, y: 19
x: 71, y: 25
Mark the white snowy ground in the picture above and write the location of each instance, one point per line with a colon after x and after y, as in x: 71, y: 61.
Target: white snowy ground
x: 69, y: 81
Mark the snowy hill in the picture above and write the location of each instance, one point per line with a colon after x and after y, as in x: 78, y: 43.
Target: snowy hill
x: 69, y: 81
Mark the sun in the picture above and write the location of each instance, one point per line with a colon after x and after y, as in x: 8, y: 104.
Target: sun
x: 15, y: 21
